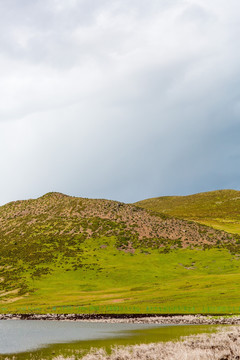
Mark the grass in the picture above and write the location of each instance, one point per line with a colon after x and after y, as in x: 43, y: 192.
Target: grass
x: 231, y: 226
x: 219, y: 209
x: 71, y: 255
x: 113, y: 281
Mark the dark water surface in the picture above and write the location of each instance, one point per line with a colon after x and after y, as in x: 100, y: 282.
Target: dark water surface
x: 28, y: 339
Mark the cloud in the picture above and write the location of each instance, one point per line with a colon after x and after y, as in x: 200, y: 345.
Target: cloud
x: 118, y: 99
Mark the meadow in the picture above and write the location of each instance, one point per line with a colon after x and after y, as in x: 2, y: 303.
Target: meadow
x: 146, y: 281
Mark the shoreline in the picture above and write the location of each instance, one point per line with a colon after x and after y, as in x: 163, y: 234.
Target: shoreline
x: 222, y: 345
x: 132, y: 318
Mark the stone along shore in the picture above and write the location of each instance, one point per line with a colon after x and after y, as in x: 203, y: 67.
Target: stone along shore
x: 132, y: 318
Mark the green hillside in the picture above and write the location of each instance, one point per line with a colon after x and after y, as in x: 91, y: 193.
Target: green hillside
x: 219, y: 209
x: 65, y: 254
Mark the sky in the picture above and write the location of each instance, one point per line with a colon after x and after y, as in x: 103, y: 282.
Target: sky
x: 123, y: 100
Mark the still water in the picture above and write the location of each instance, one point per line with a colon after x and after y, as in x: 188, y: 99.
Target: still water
x: 25, y: 338
x: 25, y: 335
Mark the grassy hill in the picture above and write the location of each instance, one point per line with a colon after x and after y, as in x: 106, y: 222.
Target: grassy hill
x: 219, y: 209
x: 65, y: 254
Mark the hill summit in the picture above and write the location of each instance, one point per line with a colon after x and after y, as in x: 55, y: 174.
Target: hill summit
x: 61, y: 216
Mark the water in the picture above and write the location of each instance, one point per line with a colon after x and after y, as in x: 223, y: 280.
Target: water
x: 25, y: 338
x: 24, y: 335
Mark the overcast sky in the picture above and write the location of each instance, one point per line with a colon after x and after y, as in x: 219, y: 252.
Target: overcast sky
x: 122, y: 100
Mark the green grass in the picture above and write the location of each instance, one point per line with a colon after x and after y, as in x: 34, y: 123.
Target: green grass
x: 72, y: 255
x: 112, y: 281
x: 231, y: 226
x: 219, y: 209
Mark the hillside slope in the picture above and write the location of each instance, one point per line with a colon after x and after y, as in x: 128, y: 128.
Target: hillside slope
x: 59, y: 250
x: 61, y: 216
x: 220, y: 209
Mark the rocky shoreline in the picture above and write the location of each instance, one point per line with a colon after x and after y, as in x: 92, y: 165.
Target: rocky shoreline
x: 132, y: 318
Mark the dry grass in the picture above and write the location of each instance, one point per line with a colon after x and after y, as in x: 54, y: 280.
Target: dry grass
x: 223, y: 345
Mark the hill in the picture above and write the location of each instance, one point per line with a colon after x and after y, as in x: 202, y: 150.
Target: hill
x: 219, y: 209
x: 59, y: 251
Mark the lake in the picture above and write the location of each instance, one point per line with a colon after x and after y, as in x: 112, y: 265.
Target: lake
x: 25, y: 339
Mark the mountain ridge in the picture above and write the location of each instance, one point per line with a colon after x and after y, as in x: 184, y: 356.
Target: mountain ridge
x: 149, y: 224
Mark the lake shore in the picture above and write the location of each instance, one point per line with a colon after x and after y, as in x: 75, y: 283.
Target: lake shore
x: 223, y: 345
x: 131, y: 318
